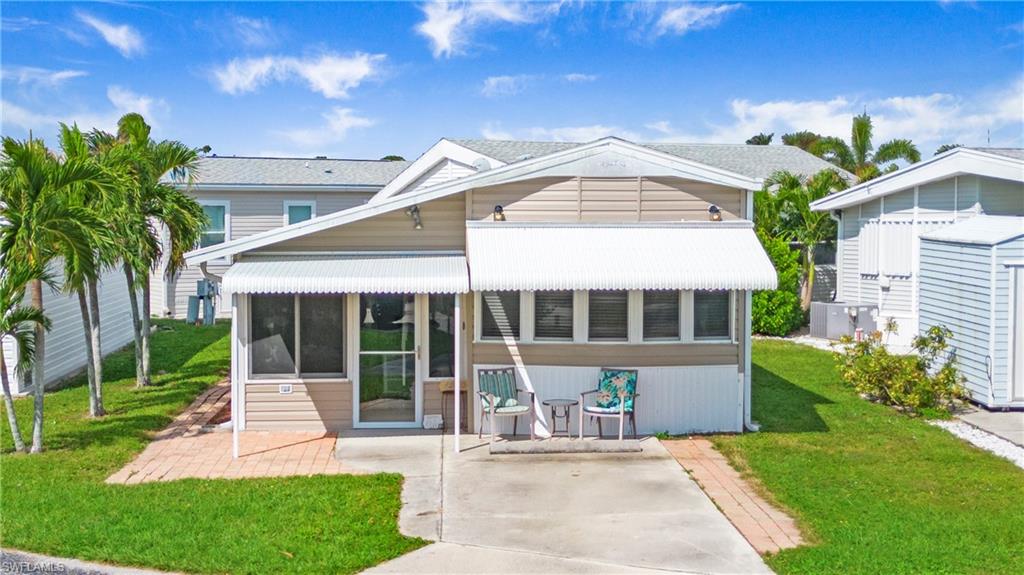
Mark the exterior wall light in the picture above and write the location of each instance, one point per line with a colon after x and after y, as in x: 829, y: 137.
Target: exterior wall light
x: 414, y: 213
x: 714, y: 213
x: 499, y: 213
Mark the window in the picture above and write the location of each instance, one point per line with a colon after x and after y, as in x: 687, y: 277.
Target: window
x: 552, y: 312
x: 295, y: 212
x: 609, y: 315
x: 711, y: 314
x: 295, y: 336
x: 499, y: 314
x: 661, y: 315
x: 216, y: 231
x: 441, y: 323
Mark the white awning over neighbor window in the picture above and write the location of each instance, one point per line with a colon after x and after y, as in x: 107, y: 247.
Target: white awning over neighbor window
x: 350, y: 273
x: 586, y: 256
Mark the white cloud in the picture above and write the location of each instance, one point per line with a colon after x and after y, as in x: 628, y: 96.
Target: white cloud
x: 122, y: 101
x: 686, y: 17
x: 19, y: 24
x: 41, y: 77
x: 496, y: 86
x: 337, y: 123
x: 576, y: 78
x: 123, y: 37
x: 449, y: 26
x: 329, y: 74
x: 254, y: 32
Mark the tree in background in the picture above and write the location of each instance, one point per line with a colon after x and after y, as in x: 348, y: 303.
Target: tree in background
x: 947, y: 147
x: 804, y: 140
x: 18, y: 323
x: 41, y: 224
x: 761, y: 139
x: 860, y: 157
x: 392, y: 158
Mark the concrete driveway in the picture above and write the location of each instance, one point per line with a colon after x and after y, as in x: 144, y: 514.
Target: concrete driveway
x: 571, y: 513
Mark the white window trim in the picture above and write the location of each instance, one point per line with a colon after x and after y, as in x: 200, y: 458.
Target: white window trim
x: 730, y: 338
x: 226, y: 204
x: 297, y: 376
x: 478, y: 314
x: 298, y: 203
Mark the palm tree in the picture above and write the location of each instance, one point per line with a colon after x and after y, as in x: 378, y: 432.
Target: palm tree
x: 947, y: 147
x: 860, y: 156
x: 148, y: 202
x: 18, y: 323
x: 798, y: 223
x: 41, y: 225
x: 804, y: 140
x: 761, y: 139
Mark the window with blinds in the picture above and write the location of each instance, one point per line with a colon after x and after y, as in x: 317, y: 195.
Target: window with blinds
x: 552, y: 312
x: 710, y: 314
x: 661, y: 315
x: 499, y: 315
x: 609, y: 315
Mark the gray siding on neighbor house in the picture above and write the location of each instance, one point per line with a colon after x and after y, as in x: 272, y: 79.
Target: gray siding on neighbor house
x: 1012, y: 251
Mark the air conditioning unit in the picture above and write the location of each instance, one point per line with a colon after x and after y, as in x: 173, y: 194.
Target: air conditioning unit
x: 832, y: 320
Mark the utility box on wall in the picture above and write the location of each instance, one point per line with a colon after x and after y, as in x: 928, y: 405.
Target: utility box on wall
x: 832, y: 320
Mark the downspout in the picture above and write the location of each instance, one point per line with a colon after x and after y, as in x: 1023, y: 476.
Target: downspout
x: 748, y: 334
x: 209, y: 275
x: 837, y: 217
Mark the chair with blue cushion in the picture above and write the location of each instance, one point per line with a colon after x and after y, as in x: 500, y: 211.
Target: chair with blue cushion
x: 499, y: 397
x: 615, y: 397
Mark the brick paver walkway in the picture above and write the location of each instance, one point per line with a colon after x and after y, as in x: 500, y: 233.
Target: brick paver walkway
x: 767, y: 528
x: 187, y: 448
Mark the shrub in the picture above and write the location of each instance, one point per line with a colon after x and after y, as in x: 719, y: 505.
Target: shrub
x: 928, y: 379
x: 778, y: 312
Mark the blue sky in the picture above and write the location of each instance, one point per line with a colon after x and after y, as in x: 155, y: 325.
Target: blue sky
x: 364, y: 80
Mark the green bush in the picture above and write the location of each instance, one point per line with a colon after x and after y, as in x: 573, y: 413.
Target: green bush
x: 926, y: 380
x: 778, y: 312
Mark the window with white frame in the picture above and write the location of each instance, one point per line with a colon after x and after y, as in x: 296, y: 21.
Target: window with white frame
x: 296, y: 336
x: 711, y: 314
x: 608, y: 315
x: 661, y: 315
x: 499, y: 315
x: 295, y: 212
x: 216, y: 230
x: 553, y: 315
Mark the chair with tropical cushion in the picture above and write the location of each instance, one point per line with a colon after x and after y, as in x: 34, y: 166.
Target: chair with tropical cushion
x: 499, y: 397
x: 615, y: 397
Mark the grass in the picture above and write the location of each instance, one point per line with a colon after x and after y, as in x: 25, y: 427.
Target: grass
x: 876, y: 491
x: 56, y: 502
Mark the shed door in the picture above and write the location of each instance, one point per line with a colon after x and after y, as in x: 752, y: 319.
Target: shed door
x: 1018, y: 334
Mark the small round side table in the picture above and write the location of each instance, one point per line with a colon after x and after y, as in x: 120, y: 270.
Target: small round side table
x: 560, y: 410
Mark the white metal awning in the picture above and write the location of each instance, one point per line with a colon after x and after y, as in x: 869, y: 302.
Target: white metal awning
x: 669, y: 255
x: 350, y: 273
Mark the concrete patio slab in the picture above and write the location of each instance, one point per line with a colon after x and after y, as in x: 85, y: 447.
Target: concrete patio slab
x: 1006, y: 424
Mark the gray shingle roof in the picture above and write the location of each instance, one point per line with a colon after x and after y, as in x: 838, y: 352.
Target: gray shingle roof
x: 1015, y: 153
x: 227, y: 170
x: 750, y: 161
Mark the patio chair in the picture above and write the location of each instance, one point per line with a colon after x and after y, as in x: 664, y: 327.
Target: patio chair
x: 499, y: 397
x: 615, y: 397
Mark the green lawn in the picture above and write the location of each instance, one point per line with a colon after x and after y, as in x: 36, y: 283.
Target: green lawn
x: 56, y: 503
x: 876, y: 491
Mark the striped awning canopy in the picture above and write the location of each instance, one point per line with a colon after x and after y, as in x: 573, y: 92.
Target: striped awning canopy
x: 586, y: 256
x: 350, y: 273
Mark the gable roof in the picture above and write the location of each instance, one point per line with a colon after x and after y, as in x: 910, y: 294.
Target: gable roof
x: 758, y: 162
x: 239, y: 172
x: 998, y: 163
x: 983, y: 230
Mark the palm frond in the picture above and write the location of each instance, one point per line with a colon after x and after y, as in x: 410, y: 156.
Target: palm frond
x: 835, y: 151
x: 897, y: 149
x: 860, y: 140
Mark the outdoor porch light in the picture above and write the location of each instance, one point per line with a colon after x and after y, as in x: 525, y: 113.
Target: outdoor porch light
x: 714, y: 213
x: 499, y: 213
x: 414, y: 213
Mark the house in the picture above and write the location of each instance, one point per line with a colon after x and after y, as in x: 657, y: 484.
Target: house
x: 940, y: 243
x: 554, y: 258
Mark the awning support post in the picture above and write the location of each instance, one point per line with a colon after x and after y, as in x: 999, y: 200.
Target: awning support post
x: 235, y: 396
x: 458, y: 370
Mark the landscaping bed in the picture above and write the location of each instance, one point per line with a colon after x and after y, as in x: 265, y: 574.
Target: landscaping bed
x: 874, y: 490
x: 57, y: 503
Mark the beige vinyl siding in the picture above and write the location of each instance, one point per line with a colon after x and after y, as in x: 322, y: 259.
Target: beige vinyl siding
x: 312, y: 406
x: 605, y: 199
x: 597, y: 355
x: 444, y: 227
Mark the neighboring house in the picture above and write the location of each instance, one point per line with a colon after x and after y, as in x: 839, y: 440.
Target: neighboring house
x: 939, y: 243
x: 65, y: 351
x: 554, y: 258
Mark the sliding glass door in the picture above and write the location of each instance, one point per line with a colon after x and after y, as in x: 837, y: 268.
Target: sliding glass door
x: 388, y: 366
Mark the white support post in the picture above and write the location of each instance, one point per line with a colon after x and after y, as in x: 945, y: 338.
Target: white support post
x: 458, y: 370
x: 235, y: 384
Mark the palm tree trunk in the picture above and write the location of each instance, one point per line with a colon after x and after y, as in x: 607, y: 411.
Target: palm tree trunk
x: 38, y: 372
x: 133, y: 295
x: 90, y: 364
x: 12, y: 419
x: 146, y: 373
x: 808, y: 294
x: 97, y: 344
